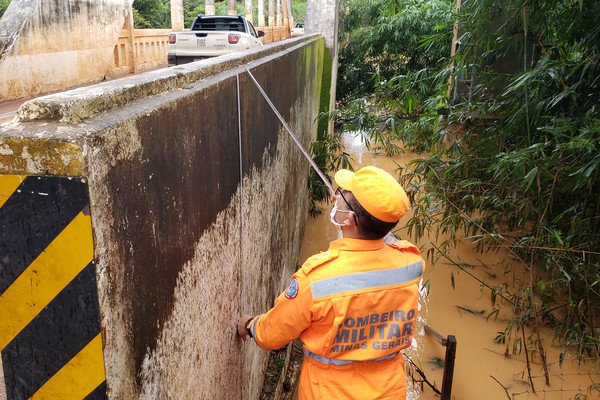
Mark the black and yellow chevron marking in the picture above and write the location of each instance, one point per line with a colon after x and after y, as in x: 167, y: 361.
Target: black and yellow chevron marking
x: 49, y: 313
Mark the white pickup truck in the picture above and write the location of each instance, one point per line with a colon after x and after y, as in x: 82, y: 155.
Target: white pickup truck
x: 211, y: 36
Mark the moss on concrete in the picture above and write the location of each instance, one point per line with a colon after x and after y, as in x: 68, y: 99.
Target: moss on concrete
x: 40, y: 157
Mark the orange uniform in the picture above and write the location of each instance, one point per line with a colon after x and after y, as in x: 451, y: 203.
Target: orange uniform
x: 354, y: 307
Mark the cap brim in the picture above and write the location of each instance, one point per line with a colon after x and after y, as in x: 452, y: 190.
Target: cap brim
x: 344, y: 178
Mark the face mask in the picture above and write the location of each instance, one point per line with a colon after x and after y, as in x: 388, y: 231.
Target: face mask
x: 334, y: 211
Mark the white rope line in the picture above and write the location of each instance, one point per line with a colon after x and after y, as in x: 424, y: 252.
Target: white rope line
x: 243, y: 294
x: 294, y: 138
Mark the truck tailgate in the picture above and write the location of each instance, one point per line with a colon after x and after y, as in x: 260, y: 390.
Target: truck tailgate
x: 202, y: 44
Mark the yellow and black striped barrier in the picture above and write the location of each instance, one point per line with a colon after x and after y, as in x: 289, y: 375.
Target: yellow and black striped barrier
x: 50, y: 337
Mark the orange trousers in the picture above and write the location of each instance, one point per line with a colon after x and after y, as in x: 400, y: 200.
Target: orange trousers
x: 366, y: 380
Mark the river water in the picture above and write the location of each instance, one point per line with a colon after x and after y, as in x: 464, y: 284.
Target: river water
x: 482, y: 372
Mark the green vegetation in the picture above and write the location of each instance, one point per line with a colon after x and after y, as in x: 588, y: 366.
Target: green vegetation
x: 155, y: 14
x: 3, y: 6
x: 299, y: 10
x: 523, y: 170
x: 152, y: 14
x: 381, y: 45
x: 385, y: 75
x: 513, y: 148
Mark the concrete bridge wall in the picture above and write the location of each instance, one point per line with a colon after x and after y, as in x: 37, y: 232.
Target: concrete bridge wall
x: 195, y: 200
x: 50, y: 45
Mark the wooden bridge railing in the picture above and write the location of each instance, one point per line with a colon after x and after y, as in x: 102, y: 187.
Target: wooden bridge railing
x: 140, y: 50
x: 146, y: 49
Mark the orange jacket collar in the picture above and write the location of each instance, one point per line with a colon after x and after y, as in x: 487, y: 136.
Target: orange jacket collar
x: 347, y: 244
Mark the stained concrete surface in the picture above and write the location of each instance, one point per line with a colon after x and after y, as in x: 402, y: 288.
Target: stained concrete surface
x: 32, y: 61
x: 2, y: 384
x: 197, y: 215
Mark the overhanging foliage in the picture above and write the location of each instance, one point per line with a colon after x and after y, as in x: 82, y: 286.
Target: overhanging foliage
x: 514, y: 145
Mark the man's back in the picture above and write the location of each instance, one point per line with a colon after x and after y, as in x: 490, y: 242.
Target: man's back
x: 364, y: 311
x: 354, y: 306
x: 364, y: 299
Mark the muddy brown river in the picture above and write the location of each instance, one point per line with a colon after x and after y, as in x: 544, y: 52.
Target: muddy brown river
x: 482, y: 372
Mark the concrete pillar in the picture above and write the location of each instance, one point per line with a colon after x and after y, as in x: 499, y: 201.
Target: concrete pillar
x: 287, y: 13
x: 177, y: 15
x: 287, y: 16
x: 279, y: 17
x: 271, y: 12
x: 209, y: 7
x: 131, y: 53
x: 322, y: 17
x: 261, y: 13
x: 249, y: 15
x: 231, y: 10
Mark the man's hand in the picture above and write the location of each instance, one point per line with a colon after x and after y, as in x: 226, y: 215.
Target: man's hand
x: 241, y: 326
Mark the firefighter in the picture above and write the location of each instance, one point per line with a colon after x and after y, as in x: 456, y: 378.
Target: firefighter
x: 354, y: 307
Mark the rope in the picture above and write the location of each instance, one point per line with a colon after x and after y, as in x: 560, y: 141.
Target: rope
x: 294, y: 138
x: 243, y: 294
x: 239, y: 115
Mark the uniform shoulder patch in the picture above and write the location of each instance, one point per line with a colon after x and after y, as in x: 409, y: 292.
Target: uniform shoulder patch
x: 313, y: 262
x: 405, y: 245
x: 292, y: 290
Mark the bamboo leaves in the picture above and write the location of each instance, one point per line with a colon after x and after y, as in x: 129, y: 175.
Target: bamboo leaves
x: 514, y: 145
x: 526, y: 173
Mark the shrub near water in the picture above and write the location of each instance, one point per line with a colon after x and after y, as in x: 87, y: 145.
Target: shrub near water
x: 380, y: 54
x: 526, y: 172
x: 514, y: 157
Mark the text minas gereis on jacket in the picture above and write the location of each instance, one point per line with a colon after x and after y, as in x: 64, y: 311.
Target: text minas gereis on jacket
x: 393, y: 328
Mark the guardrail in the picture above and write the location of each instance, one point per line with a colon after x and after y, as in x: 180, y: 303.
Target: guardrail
x: 140, y: 50
x: 274, y: 33
x: 146, y: 49
x: 450, y: 344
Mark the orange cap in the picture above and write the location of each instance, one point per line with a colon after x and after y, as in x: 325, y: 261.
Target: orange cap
x: 377, y: 192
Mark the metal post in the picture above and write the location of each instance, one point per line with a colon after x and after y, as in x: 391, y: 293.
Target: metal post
x: 448, y: 368
x: 450, y: 344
